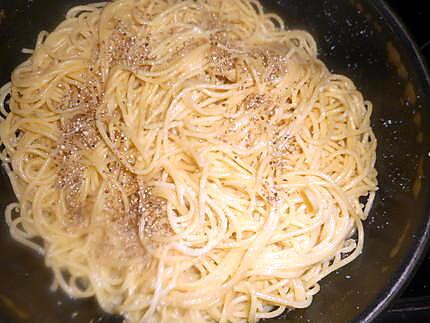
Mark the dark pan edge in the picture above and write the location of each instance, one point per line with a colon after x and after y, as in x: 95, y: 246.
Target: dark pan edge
x: 406, y: 272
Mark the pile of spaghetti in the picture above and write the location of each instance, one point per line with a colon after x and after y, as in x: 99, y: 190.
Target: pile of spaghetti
x: 186, y: 160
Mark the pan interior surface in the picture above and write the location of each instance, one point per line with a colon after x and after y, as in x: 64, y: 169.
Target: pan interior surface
x: 360, y: 39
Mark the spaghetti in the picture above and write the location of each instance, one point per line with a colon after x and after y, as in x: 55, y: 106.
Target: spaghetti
x: 186, y: 160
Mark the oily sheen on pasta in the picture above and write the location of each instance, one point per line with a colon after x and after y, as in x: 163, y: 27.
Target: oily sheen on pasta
x: 186, y: 161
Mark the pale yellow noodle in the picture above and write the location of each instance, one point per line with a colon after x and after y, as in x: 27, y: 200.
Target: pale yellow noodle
x: 255, y: 162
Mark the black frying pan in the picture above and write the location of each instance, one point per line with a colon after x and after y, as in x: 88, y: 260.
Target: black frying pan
x: 359, y: 38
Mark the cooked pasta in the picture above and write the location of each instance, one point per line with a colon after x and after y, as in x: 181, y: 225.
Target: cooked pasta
x: 189, y: 161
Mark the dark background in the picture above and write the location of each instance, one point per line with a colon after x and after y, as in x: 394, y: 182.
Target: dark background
x: 414, y: 303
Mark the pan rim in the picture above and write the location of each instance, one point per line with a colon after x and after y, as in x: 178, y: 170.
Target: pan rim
x: 406, y: 271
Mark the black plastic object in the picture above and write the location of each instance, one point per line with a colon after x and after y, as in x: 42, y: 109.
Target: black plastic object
x: 361, y: 39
